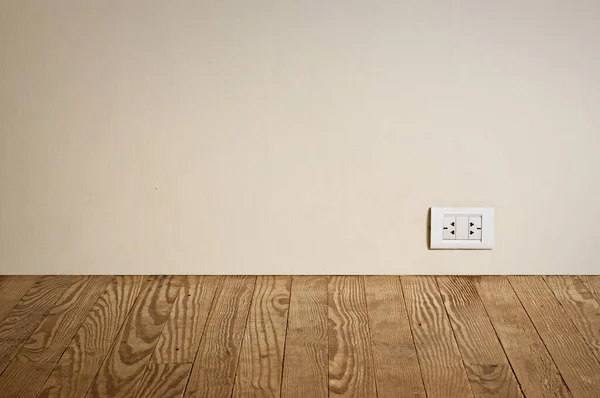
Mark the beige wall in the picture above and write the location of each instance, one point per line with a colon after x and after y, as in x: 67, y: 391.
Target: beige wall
x: 296, y: 136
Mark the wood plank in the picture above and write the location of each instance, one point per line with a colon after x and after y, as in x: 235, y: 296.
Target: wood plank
x: 581, y: 306
x: 573, y: 357
x: 53, y: 334
x: 261, y: 358
x: 530, y: 360
x: 24, y: 379
x: 164, y: 380
x: 181, y: 336
x: 33, y: 307
x: 78, y: 366
x: 391, y: 339
x: 441, y: 363
x: 305, y: 367
x: 124, y: 366
x: 592, y: 282
x: 351, y: 370
x: 487, y: 366
x: 12, y: 289
x: 215, y: 366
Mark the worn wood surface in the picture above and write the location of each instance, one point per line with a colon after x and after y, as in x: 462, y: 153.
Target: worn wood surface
x: 592, y: 283
x: 53, y: 334
x: 441, y: 363
x: 82, y: 359
x: 28, y: 313
x: 124, y: 366
x: 261, y: 358
x: 573, y: 357
x: 530, y: 360
x: 301, y: 336
x: 581, y: 306
x: 12, y: 288
x: 215, y: 366
x: 164, y: 380
x: 391, y: 338
x: 181, y: 336
x: 351, y: 369
x: 483, y: 356
x: 305, y: 365
x: 23, y: 379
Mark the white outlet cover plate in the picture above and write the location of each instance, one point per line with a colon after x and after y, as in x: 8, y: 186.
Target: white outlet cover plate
x: 487, y: 230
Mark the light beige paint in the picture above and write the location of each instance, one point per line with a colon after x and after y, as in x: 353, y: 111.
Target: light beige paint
x: 256, y: 136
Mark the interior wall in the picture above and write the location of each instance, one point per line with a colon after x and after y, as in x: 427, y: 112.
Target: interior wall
x: 303, y: 137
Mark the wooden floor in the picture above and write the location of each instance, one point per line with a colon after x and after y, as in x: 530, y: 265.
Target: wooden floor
x: 305, y: 336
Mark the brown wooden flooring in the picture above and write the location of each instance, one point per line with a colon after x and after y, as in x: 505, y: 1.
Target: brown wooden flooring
x: 301, y: 336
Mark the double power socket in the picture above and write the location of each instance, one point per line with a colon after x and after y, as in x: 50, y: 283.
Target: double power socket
x: 462, y: 228
x: 458, y: 227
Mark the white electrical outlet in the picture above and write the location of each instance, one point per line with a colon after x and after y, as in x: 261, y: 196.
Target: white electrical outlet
x: 462, y: 228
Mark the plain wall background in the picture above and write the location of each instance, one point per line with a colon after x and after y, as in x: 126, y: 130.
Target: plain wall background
x: 296, y: 136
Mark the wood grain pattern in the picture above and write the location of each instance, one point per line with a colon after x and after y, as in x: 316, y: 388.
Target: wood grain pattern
x: 530, y: 360
x: 581, y: 306
x: 181, y: 336
x: 592, y: 282
x: 487, y: 366
x: 23, y: 379
x: 317, y: 336
x: 439, y: 356
x: 53, y: 334
x: 164, y: 380
x: 78, y: 366
x: 391, y: 339
x: 261, y: 358
x: 573, y: 357
x: 351, y: 370
x: 122, y: 371
x: 23, y: 319
x: 305, y: 367
x: 12, y: 288
x: 214, y: 369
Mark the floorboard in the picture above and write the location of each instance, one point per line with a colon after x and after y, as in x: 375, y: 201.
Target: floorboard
x: 213, y: 373
x: 573, y: 357
x: 82, y: 359
x: 351, y: 371
x: 441, y: 363
x: 53, y: 334
x: 592, y: 282
x: 261, y: 358
x: 305, y: 372
x: 530, y: 360
x: 487, y: 366
x: 24, y: 317
x: 181, y: 336
x: 164, y: 380
x: 391, y: 339
x: 581, y: 306
x: 12, y: 289
x: 124, y: 366
x: 300, y: 337
x: 24, y: 379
